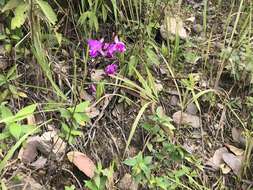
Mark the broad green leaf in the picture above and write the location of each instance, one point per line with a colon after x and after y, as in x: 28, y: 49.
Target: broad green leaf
x: 97, y: 181
x: 2, y: 79
x: 48, y: 11
x: 130, y: 162
x: 28, y: 128
x: 152, y: 56
x: 7, y: 48
x: 5, y: 112
x: 13, y: 89
x: 4, y: 135
x: 26, y: 111
x: 3, y: 186
x: 11, y: 4
x: 21, y: 13
x: 15, y: 37
x: 90, y: 185
x: 58, y: 37
x: 76, y: 132
x: 144, y: 168
x: 11, y: 72
x: 65, y: 128
x: 15, y: 130
x: 65, y: 113
x: 3, y: 36
x: 148, y: 159
x: 82, y: 106
x: 81, y: 118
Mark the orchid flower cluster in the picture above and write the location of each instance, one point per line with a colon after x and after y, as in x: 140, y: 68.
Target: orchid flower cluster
x: 107, y: 50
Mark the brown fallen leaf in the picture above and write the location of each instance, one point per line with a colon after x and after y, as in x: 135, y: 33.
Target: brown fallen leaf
x: 59, y: 146
x: 48, y: 136
x: 29, y: 153
x: 47, y: 143
x: 186, y: 119
x: 97, y: 75
x: 39, y: 163
x: 82, y: 162
x: 174, y: 100
x: 173, y: 26
x: 92, y: 112
x: 84, y: 95
x: 234, y: 162
x: 191, y: 109
x: 235, y: 150
x: 238, y: 136
x: 217, y: 160
x: 31, y: 120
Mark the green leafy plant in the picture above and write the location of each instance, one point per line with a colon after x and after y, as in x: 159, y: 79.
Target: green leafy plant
x: 102, y: 179
x: 69, y: 133
x: 77, y: 113
x: 141, y: 167
x: 11, y: 39
x: 163, y: 120
x: 77, y: 117
x: 72, y: 187
x: 22, y: 8
x: 13, y: 127
x: 7, y: 86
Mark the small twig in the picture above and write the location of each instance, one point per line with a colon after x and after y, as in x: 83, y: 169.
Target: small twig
x: 70, y: 172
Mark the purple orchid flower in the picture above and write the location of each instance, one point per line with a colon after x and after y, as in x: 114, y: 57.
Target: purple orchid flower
x: 119, y: 46
x: 111, y: 69
x: 95, y: 47
x: 109, y: 49
x: 98, y: 47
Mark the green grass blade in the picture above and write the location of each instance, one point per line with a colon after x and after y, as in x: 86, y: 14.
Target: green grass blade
x: 39, y: 53
x: 135, y: 124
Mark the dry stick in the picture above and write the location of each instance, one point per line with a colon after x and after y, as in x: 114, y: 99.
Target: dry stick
x: 27, y: 182
x: 121, y: 130
x: 113, y: 139
x: 221, y: 123
x: 223, y: 117
x: 101, y: 113
x: 78, y: 182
